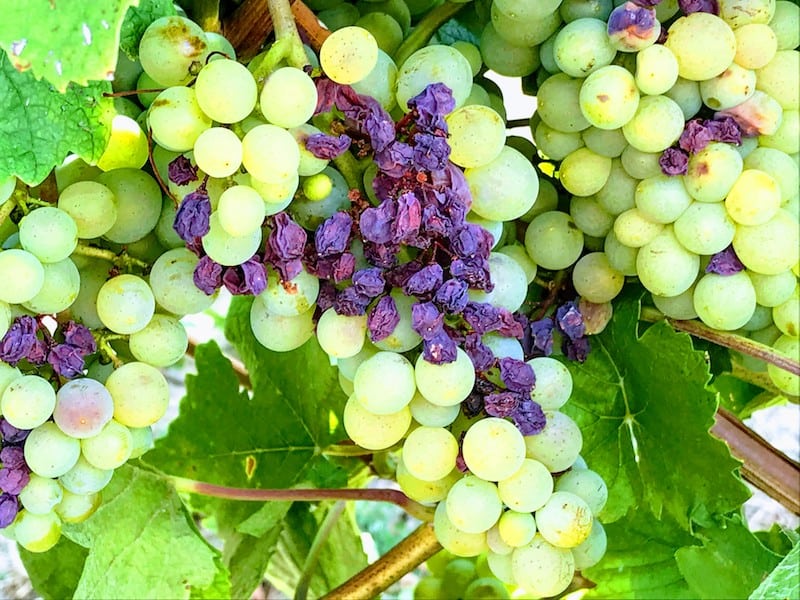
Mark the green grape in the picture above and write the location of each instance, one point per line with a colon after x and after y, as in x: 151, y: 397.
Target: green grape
x: 427, y: 588
x: 657, y: 124
x: 486, y: 588
x: 754, y: 198
x: 762, y: 317
x: 493, y: 449
x: 49, y: 233
x: 343, y: 15
x: 500, y: 566
x: 371, y: 431
x: 93, y: 274
x: 37, y: 532
x: 172, y: 50
x: 288, y: 299
x: 553, y: 383
x: 553, y: 240
x: 587, y: 485
x: 516, y: 528
x: 429, y: 453
x: 737, y: 13
x: 584, y: 172
x: 142, y: 440
x: 59, y: 290
x: 712, y: 172
x: 555, y: 144
x: 76, y: 508
x: 445, y: 384
x: 278, y: 333
x: 785, y: 315
x: 433, y: 64
x: 125, y: 304
x: 608, y: 97
x: 477, y: 136
x: 640, y: 165
x: 384, y: 384
x: 218, y: 43
x: 656, y: 70
x: 528, y: 488
x: 317, y: 187
x: 311, y: 214
x: 662, y: 199
x: 510, y: 284
x: 565, y: 520
x: 348, y: 54
x: 546, y: 201
x: 523, y: 32
x: 145, y: 82
x: 7, y: 186
x: 218, y: 152
x: 140, y: 394
x: 541, y: 568
x: 349, y: 366
x: 5, y: 322
x: 703, y: 44
x: 705, y: 228
x: 769, y: 248
x: 558, y: 103
x: 127, y: 145
x: 161, y: 343
x: 472, y: 53
x: 517, y: 253
x: 786, y: 136
x: 83, y: 478
x: 496, y: 543
x: 138, y: 201
x: 478, y: 95
x: 591, y: 218
x: 49, y: 452
x: 27, y: 401
x: 346, y: 385
x: 91, y: 205
x: 288, y: 98
x: 619, y: 192
x: 557, y: 445
x: 425, y: 491
x: 83, y: 407
x: 635, y: 230
x: 528, y: 11
x: 502, y: 56
x: 595, y: 279
x: 582, y: 47
x: 341, y: 336
x: 503, y: 347
x: 457, y: 575
x: 677, y: 307
x: 226, y: 91
x: 384, y: 28
x: 226, y: 249
x: 605, y: 142
x: 381, y: 81
x: 773, y: 290
x: 40, y: 495
x: 176, y: 119
x: 430, y: 414
x: 473, y: 504
x: 664, y: 266
x: 589, y: 552
x: 785, y: 381
x: 172, y: 283
x: 728, y: 89
x: 309, y: 164
x: 785, y: 24
x: 241, y: 211
x: 270, y: 153
x: 110, y: 448
x: 739, y: 304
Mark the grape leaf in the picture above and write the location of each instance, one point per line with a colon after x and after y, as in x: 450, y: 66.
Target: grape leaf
x: 219, y: 588
x: 730, y: 564
x: 137, y: 19
x: 142, y: 542
x: 782, y: 583
x: 63, y: 41
x: 248, y: 557
x: 54, y: 575
x: 778, y: 539
x: 40, y: 126
x: 341, y: 557
x: 645, y: 412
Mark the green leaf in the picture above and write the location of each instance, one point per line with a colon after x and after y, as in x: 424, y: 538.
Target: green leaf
x: 777, y: 538
x: 269, y: 516
x: 63, y: 41
x: 54, y: 574
x: 341, y: 557
x: 137, y: 19
x: 248, y: 557
x: 40, y: 126
x: 142, y: 543
x: 219, y: 588
x: 640, y: 560
x: 730, y: 564
x: 782, y: 583
x: 645, y: 412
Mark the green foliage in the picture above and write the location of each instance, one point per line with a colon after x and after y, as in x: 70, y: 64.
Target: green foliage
x: 645, y: 411
x: 55, y: 574
x: 136, y: 21
x: 63, y: 42
x: 782, y: 583
x: 40, y: 126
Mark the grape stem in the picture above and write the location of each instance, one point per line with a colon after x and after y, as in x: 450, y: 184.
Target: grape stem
x: 120, y: 260
x: 726, y: 339
x: 156, y: 173
x: 6, y: 209
x: 286, y: 29
x: 323, y: 533
x: 424, y: 30
x: 415, y: 509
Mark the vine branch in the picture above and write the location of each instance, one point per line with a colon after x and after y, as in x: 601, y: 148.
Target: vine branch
x: 425, y: 29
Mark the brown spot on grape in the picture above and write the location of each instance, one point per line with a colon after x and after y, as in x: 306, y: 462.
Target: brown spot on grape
x: 603, y: 97
x: 291, y: 288
x: 701, y: 168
